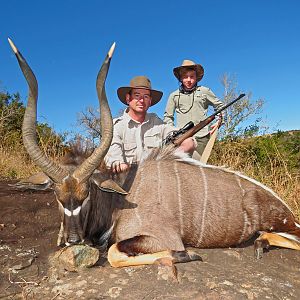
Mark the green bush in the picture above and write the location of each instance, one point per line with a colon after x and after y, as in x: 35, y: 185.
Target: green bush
x: 12, y: 112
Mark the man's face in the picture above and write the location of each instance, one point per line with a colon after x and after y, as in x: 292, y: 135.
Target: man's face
x: 139, y: 100
x: 189, y: 79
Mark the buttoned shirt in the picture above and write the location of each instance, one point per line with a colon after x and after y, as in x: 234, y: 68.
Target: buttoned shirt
x: 191, y: 107
x: 133, y: 140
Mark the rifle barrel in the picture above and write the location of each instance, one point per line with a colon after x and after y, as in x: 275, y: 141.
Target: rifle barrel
x: 203, y: 123
x: 228, y: 104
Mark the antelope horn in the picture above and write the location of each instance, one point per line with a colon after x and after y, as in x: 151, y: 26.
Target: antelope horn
x: 54, y: 171
x: 86, y: 169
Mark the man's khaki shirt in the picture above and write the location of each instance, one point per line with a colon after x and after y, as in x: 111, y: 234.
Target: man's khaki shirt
x: 132, y: 140
x: 191, y: 107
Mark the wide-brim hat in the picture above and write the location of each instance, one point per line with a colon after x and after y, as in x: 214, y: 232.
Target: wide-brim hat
x: 190, y: 65
x: 139, y: 82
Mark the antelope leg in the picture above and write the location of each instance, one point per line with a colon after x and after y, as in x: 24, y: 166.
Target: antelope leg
x: 60, y: 234
x: 118, y: 259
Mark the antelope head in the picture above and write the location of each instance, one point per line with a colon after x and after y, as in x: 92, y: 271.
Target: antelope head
x: 71, y: 185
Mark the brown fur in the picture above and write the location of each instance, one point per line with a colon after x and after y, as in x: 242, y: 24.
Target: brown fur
x: 173, y: 202
x: 183, y: 203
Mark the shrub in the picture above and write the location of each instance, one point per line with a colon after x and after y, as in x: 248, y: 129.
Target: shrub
x: 271, y: 159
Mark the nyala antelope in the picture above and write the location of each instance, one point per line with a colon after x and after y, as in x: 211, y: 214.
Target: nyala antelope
x: 173, y: 201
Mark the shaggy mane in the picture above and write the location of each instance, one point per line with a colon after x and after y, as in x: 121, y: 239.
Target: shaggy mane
x: 77, y: 154
x: 170, y: 153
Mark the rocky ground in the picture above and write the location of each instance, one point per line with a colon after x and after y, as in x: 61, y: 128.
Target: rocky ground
x: 29, y: 225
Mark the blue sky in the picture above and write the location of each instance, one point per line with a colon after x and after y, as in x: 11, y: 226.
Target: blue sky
x: 66, y: 41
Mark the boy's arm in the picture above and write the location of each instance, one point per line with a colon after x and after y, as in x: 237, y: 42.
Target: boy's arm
x: 214, y: 100
x: 217, y: 104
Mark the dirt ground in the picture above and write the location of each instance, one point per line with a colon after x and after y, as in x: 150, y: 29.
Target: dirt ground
x: 29, y: 225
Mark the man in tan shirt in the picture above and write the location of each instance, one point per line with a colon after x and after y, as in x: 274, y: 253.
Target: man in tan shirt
x: 136, y: 132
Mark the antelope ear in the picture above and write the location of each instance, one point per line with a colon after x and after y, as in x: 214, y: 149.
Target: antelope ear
x: 108, y: 185
x: 39, y: 181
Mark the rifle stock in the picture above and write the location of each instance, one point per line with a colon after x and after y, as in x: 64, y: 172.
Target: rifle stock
x: 193, y: 130
x: 178, y: 140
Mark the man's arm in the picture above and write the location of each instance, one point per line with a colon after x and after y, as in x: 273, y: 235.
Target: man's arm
x: 115, y: 158
x: 169, y: 111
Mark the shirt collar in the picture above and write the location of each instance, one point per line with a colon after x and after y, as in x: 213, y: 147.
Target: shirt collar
x: 129, y: 119
x: 186, y: 91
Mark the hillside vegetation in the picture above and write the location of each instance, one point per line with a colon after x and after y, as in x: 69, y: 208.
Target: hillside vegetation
x: 14, y: 160
x: 272, y: 159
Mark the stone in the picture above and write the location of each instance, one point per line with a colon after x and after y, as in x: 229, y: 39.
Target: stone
x: 75, y: 258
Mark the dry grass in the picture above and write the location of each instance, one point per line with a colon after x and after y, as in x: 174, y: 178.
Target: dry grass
x: 274, y: 172
x: 15, y: 164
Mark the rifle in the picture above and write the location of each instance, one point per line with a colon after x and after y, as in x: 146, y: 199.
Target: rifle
x: 189, y: 129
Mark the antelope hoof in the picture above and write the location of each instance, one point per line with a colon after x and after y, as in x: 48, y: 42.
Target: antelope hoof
x: 259, y: 246
x: 185, y: 256
x: 194, y: 256
x: 258, y: 253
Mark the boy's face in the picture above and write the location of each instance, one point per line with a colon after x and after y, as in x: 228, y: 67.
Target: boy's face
x: 189, y: 79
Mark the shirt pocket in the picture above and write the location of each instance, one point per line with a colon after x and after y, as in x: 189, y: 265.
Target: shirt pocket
x: 200, y: 101
x: 183, y: 103
x: 130, y: 150
x: 152, y: 139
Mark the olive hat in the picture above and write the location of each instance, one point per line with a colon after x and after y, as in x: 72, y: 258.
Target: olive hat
x: 139, y: 82
x: 190, y: 65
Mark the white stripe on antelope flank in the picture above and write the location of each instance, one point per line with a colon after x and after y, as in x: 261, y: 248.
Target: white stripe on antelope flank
x: 134, y: 196
x: 249, y: 179
x: 159, y: 196
x: 204, y: 206
x: 184, y: 158
x: 240, y: 184
x: 178, y: 186
x: 246, y: 222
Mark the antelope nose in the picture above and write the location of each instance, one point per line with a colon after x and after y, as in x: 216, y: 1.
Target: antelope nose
x: 74, y: 239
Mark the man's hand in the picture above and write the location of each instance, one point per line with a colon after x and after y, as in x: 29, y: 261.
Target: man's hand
x: 118, y: 167
x: 188, y: 146
x: 216, y: 125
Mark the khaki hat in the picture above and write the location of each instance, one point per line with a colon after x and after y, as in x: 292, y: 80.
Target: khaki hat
x: 139, y: 82
x: 189, y: 64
